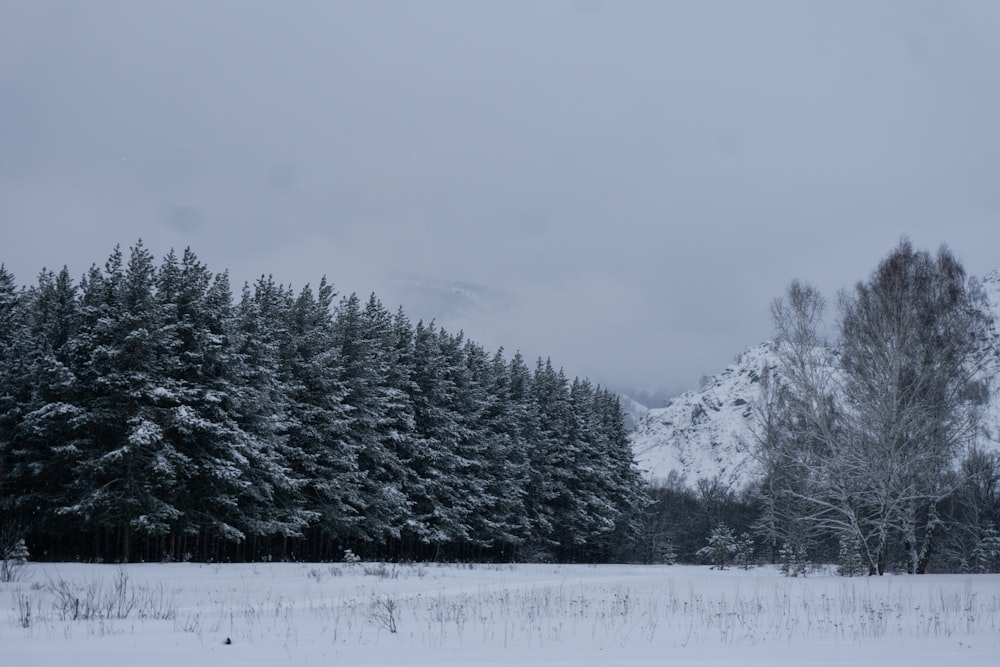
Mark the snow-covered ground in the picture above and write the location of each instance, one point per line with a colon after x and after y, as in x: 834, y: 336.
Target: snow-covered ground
x: 373, y: 614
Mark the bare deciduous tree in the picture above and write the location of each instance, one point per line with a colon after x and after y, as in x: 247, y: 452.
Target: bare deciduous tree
x: 867, y: 433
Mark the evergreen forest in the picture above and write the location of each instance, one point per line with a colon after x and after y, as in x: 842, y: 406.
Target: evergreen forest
x: 148, y: 414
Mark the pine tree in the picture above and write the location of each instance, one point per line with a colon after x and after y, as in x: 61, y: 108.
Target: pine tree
x: 203, y: 394
x: 590, y: 485
x: 436, y: 462
x: 44, y: 439
x: 721, y: 547
x: 468, y: 370
x: 128, y: 472
x: 986, y: 554
x: 608, y: 470
x: 624, y: 484
x: 318, y: 420
x: 743, y: 555
x: 519, y: 423
x: 551, y: 457
x: 849, y: 560
x: 12, y: 385
x: 271, y: 503
x: 501, y: 516
x: 378, y: 412
x: 793, y: 559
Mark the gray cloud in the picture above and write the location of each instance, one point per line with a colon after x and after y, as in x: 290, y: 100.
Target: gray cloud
x: 641, y: 178
x: 182, y: 219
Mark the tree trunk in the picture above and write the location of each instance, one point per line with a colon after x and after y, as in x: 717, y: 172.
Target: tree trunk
x: 925, y: 550
x: 126, y: 544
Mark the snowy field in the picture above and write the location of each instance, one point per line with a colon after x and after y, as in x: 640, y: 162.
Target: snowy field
x: 375, y: 614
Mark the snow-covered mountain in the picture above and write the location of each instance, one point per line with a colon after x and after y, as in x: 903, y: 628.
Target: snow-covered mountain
x: 705, y: 433
x: 634, y: 411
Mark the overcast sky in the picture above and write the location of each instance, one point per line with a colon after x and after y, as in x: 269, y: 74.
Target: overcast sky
x: 639, y: 179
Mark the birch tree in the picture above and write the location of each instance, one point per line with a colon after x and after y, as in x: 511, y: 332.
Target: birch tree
x: 869, y: 430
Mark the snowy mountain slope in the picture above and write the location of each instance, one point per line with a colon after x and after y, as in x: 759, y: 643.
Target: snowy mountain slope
x: 634, y: 411
x: 706, y: 433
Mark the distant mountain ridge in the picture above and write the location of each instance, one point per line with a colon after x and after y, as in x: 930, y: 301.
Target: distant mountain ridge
x: 707, y: 433
x: 446, y: 301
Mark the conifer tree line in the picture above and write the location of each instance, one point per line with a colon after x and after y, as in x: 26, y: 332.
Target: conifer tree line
x: 146, y: 413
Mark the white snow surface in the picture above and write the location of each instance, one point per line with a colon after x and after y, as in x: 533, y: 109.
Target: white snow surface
x: 706, y: 433
x: 478, y: 615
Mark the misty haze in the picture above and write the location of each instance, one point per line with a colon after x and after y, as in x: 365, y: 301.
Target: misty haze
x: 567, y: 332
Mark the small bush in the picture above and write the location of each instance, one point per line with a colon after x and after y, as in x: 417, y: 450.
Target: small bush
x: 23, y: 609
x: 721, y: 547
x: 794, y: 560
x: 94, y: 600
x: 986, y: 553
x: 849, y: 561
x: 13, y: 556
x: 743, y: 555
x: 382, y: 571
x: 384, y: 613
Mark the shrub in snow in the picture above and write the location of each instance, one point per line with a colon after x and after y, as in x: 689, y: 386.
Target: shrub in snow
x: 744, y: 551
x: 351, y: 557
x: 721, y: 547
x: 665, y: 553
x: 385, y: 612
x: 13, y: 556
x: 794, y: 559
x: 986, y: 554
x: 849, y: 561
